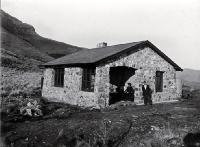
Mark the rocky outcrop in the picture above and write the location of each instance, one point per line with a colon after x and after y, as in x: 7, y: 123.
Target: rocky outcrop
x: 22, y: 39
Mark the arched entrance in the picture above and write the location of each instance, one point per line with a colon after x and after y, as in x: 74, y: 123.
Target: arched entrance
x: 118, y: 77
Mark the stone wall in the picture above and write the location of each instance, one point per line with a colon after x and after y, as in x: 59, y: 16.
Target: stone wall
x: 146, y: 61
x: 102, y: 85
x: 71, y: 92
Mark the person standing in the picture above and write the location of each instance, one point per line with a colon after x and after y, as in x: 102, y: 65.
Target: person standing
x: 130, y: 92
x: 146, y: 91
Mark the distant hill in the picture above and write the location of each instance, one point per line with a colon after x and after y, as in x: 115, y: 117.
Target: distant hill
x: 190, y: 77
x: 21, y: 39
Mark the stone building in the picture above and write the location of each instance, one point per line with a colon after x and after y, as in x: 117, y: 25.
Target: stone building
x: 89, y: 77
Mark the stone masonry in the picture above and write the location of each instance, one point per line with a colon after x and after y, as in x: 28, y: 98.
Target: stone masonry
x: 146, y: 61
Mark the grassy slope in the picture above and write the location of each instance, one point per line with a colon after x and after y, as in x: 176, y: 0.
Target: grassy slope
x: 21, y: 48
x: 11, y: 60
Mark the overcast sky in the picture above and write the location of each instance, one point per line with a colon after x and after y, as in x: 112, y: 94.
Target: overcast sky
x: 172, y: 25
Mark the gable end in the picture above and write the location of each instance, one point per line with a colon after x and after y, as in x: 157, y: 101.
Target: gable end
x: 139, y: 47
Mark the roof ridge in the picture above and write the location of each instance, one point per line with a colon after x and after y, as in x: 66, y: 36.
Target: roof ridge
x: 118, y: 44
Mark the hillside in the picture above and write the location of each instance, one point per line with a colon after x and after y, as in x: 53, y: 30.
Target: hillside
x: 21, y: 39
x: 22, y: 50
x: 190, y: 77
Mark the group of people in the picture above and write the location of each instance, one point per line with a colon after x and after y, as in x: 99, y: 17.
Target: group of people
x: 130, y: 93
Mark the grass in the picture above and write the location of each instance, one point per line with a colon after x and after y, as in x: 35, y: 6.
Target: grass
x: 15, y: 82
x: 135, y: 126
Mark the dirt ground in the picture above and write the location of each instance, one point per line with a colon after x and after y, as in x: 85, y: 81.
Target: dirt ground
x: 125, y: 125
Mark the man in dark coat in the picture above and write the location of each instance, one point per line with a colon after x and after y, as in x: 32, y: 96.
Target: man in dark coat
x: 130, y: 92
x: 146, y: 91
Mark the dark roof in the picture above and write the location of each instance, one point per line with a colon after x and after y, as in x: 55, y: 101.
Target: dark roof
x: 97, y: 55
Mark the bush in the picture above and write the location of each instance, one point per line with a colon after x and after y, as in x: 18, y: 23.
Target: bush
x: 32, y: 108
x: 19, y: 109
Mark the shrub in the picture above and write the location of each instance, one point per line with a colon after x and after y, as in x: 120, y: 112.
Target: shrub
x: 171, y: 134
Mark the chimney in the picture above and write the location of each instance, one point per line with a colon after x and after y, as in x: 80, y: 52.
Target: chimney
x: 102, y: 44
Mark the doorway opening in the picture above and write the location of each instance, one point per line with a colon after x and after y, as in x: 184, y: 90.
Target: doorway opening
x: 118, y: 77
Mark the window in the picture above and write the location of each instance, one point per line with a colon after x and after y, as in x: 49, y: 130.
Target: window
x: 88, y: 79
x: 159, y: 81
x: 59, y: 77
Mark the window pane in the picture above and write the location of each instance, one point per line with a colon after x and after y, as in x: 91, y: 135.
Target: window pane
x: 59, y: 77
x: 62, y: 77
x: 58, y: 82
x: 88, y: 79
x: 159, y: 81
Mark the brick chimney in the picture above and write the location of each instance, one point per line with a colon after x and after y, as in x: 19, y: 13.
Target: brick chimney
x: 102, y: 44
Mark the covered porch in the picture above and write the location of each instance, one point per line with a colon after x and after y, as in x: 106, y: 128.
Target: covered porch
x: 118, y: 77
